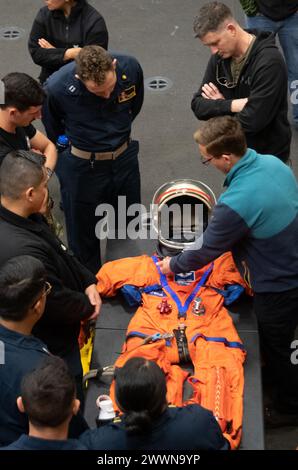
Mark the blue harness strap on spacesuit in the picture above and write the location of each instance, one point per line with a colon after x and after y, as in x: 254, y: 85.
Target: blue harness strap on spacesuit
x: 182, y: 309
x: 133, y: 294
x: 151, y: 338
x: 215, y: 339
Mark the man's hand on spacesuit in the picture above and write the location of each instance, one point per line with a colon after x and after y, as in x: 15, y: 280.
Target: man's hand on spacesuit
x: 164, y: 265
x: 94, y: 299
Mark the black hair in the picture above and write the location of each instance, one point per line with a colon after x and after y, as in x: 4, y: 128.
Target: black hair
x: 140, y: 388
x: 48, y: 393
x: 20, y: 170
x: 21, y: 91
x: 22, y: 280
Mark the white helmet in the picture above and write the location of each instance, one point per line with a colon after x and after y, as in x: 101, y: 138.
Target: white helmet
x: 180, y: 212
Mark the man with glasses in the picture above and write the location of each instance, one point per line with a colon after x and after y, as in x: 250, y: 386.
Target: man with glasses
x: 257, y: 219
x: 246, y: 76
x: 23, y: 231
x: 23, y: 293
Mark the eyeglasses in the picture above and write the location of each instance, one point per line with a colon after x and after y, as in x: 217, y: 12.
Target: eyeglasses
x: 48, y: 288
x: 223, y: 81
x: 206, y: 161
x: 50, y: 203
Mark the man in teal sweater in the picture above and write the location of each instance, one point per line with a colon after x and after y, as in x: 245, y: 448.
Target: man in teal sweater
x: 256, y: 218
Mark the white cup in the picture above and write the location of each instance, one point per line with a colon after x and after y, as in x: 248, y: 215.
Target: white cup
x: 105, y: 405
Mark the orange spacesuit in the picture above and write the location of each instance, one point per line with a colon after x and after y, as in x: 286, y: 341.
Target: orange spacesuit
x: 182, y: 319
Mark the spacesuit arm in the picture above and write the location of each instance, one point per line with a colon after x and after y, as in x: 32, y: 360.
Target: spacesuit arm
x: 138, y: 271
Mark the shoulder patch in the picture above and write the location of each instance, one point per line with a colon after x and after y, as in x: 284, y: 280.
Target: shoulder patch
x: 127, y: 94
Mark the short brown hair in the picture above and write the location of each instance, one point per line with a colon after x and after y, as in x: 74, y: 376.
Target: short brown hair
x: 210, y: 18
x: 221, y: 135
x: 93, y: 62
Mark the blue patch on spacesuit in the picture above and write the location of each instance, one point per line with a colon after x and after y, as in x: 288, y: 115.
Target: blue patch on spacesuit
x: 157, y: 293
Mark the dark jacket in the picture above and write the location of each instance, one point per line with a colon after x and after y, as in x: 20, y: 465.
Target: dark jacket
x: 190, y: 427
x: 257, y: 219
x: 67, y: 304
x: 34, y: 443
x: 84, y: 26
x: 263, y: 81
x: 277, y: 10
x: 91, y: 122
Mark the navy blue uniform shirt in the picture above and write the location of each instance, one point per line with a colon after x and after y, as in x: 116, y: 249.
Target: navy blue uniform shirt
x: 93, y: 123
x: 22, y: 354
x: 190, y: 427
x: 34, y: 443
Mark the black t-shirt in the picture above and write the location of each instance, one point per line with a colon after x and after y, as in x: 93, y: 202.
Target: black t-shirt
x: 277, y: 10
x: 20, y: 140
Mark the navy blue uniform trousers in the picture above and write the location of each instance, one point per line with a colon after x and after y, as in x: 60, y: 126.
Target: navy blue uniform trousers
x: 85, y: 185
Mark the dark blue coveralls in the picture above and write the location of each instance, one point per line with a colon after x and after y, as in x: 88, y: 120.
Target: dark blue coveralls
x: 94, y: 124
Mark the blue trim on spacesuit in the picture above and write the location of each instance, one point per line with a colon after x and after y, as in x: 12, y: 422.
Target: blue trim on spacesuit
x: 182, y: 309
